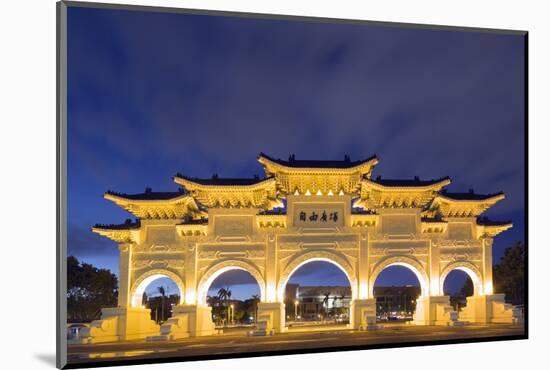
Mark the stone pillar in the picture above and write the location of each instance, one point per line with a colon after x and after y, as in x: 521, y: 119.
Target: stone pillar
x: 271, y: 312
x: 271, y: 317
x: 119, y: 324
x: 271, y: 294
x: 363, y: 314
x: 125, y: 274
x: 490, y: 308
x: 434, y: 310
x: 434, y: 283
x: 190, y: 274
x: 187, y: 321
x: 363, y: 268
x: 487, y: 258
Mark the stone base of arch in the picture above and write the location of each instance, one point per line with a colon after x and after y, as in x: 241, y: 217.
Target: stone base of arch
x: 363, y: 314
x: 434, y: 310
x: 187, y: 321
x: 490, y: 308
x: 271, y: 317
x: 119, y: 324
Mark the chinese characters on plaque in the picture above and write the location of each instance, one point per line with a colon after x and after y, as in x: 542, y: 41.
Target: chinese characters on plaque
x: 318, y: 217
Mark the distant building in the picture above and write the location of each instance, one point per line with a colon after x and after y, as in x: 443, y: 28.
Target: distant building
x: 333, y: 302
x: 291, y: 293
x: 390, y: 299
x: 317, y: 302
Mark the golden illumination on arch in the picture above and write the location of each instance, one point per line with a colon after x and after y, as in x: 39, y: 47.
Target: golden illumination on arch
x: 127, y: 235
x: 260, y: 194
x: 493, y: 230
x: 221, y: 224
x: 314, y: 177
x: 378, y: 195
x: 128, y: 232
x: 446, y: 206
x: 179, y: 206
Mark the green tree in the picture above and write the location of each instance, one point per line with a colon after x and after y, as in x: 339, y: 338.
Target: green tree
x: 217, y: 308
x: 468, y: 289
x: 509, y: 274
x: 88, y: 290
x: 256, y: 300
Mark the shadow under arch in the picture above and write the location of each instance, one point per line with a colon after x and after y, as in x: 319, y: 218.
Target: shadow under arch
x: 311, y: 256
x: 409, y: 262
x: 219, y: 268
x: 147, y: 278
x: 469, y: 268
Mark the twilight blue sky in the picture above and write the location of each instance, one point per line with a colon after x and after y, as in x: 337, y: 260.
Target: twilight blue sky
x: 153, y: 94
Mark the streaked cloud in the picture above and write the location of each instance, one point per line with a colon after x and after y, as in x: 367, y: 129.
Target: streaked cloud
x: 152, y: 94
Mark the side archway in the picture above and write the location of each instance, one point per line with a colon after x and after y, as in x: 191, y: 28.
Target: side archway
x: 141, y: 283
x: 409, y: 262
x: 219, y: 268
x: 469, y: 268
x: 310, y: 256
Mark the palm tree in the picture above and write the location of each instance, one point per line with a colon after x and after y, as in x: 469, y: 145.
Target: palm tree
x: 228, y: 299
x: 224, y: 294
x: 214, y: 302
x: 162, y: 292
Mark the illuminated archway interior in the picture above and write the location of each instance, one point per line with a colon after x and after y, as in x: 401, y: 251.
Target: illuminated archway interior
x: 234, y: 295
x: 236, y: 279
x: 461, y: 282
x: 318, y: 289
x: 404, y: 270
x: 395, y: 290
x: 150, y: 286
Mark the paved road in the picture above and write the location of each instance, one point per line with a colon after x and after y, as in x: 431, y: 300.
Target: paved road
x: 236, y: 341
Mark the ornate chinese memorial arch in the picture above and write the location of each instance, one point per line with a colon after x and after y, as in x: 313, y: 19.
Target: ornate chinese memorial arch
x: 335, y: 211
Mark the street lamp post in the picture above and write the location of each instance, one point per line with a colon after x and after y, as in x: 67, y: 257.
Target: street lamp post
x: 232, y: 312
x: 295, y: 310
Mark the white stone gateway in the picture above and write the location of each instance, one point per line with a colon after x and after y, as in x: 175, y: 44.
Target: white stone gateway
x: 334, y: 212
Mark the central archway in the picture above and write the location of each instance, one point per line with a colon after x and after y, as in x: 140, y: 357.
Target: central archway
x: 317, y: 293
x: 319, y: 255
